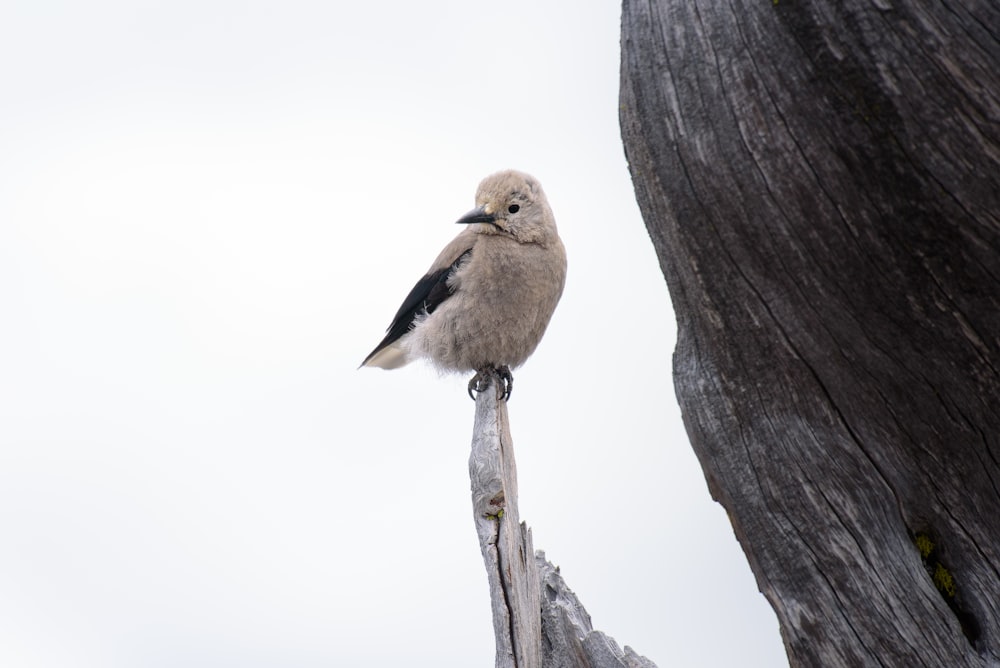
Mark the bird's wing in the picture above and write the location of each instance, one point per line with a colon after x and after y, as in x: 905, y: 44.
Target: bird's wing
x: 429, y: 293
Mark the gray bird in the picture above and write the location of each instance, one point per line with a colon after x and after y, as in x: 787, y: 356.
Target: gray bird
x: 488, y: 297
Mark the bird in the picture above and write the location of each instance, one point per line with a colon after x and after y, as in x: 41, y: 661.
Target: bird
x: 487, y: 299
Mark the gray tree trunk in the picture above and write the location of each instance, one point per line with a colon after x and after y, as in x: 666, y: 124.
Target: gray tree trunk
x: 821, y: 182
x: 537, y: 620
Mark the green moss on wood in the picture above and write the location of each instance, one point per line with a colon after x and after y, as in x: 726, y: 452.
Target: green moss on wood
x: 942, y: 578
x: 924, y: 545
x: 944, y: 581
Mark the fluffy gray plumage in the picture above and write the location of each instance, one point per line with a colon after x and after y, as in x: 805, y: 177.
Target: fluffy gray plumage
x: 488, y: 297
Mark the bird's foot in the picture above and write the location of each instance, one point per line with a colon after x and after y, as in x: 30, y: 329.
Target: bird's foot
x: 480, y: 381
x: 484, y: 378
x: 507, y: 378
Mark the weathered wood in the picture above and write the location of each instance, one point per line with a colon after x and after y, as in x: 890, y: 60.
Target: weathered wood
x: 538, y: 622
x: 821, y: 182
x: 505, y: 542
x: 569, y: 639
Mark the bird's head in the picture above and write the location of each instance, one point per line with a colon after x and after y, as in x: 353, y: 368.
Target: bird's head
x: 512, y: 203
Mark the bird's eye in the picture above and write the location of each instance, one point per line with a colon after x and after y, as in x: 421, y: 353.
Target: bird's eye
x: 513, y: 208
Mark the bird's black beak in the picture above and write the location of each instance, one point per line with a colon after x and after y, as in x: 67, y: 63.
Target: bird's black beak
x: 476, y: 216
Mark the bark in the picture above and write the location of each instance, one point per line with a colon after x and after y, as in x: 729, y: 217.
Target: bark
x: 537, y: 620
x: 821, y: 182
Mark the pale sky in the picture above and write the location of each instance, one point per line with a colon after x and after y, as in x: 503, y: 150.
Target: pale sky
x: 209, y: 213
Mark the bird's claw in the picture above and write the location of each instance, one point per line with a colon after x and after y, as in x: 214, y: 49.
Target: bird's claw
x: 484, y: 378
x: 507, y: 378
x: 479, y: 382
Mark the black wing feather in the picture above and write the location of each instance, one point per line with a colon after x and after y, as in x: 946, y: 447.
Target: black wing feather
x: 429, y: 293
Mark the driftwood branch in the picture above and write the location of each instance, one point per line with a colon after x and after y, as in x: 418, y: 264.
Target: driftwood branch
x: 538, y: 621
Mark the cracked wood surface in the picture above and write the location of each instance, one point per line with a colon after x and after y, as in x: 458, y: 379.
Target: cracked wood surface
x: 504, y: 541
x: 569, y: 639
x: 537, y: 620
x: 821, y: 182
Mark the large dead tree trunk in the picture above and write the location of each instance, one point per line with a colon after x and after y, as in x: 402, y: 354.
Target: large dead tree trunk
x: 821, y: 181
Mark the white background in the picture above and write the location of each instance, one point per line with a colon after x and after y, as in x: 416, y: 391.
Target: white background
x: 209, y: 212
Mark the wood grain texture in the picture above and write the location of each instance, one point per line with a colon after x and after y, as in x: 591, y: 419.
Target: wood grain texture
x: 504, y: 541
x: 569, y: 639
x: 821, y: 182
x: 537, y: 620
